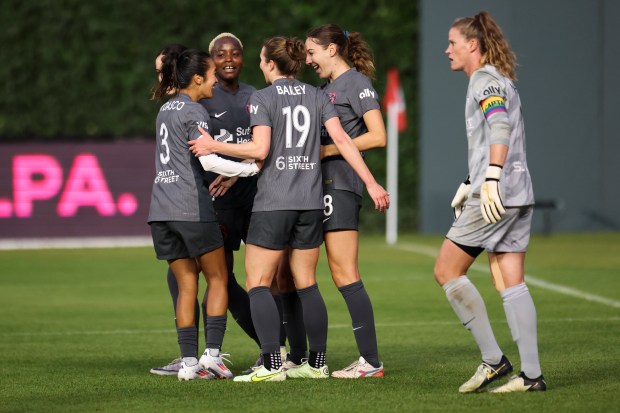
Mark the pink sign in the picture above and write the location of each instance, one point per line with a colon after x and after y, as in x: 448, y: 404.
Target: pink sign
x: 69, y: 190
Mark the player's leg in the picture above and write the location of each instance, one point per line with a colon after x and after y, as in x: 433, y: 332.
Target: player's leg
x: 303, y: 267
x: 518, y: 304
x: 451, y: 266
x: 186, y: 275
x: 292, y: 315
x: 213, y: 265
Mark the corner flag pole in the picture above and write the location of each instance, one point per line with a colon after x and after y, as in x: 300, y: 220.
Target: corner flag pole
x: 391, y: 227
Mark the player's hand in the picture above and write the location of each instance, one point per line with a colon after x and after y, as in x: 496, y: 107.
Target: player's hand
x: 379, y: 196
x: 203, y: 145
x: 490, y: 200
x: 221, y: 185
x: 458, y: 202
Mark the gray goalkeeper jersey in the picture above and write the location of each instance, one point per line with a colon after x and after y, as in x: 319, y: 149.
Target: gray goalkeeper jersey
x: 493, y: 100
x: 353, y: 95
x: 291, y: 176
x: 179, y: 191
x: 230, y: 123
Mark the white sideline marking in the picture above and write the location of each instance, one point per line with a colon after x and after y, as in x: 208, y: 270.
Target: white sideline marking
x: 74, y: 243
x: 537, y: 282
x: 332, y: 326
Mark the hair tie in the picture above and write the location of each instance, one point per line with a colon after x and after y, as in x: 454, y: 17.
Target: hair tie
x: 346, y: 33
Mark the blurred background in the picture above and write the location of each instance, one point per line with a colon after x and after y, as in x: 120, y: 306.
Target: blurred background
x: 76, y: 119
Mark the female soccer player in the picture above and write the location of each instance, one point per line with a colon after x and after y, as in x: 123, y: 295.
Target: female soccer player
x: 181, y: 215
x: 329, y: 50
x: 230, y: 121
x: 286, y: 118
x: 493, y: 207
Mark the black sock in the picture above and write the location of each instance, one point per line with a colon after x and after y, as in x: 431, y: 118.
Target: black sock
x: 215, y: 327
x: 315, y: 317
x: 363, y: 321
x: 239, y: 307
x: 188, y: 341
x: 272, y: 361
x: 265, y: 318
x: 317, y: 359
x: 293, y: 322
x: 278, y: 300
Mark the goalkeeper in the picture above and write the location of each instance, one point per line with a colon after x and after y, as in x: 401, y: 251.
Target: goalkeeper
x: 492, y: 208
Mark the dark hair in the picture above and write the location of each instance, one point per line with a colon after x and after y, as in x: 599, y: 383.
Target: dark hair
x: 350, y: 45
x: 177, y: 71
x: 288, y: 53
x: 494, y: 47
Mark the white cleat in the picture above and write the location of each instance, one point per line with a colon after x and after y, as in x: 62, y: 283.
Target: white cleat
x: 521, y: 384
x: 213, y: 362
x: 485, y: 374
x: 194, y: 372
x: 359, y: 369
x: 170, y: 369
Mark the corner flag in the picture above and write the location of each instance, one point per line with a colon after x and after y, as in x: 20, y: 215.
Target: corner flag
x: 394, y: 105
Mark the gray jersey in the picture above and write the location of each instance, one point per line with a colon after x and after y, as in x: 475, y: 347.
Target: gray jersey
x: 230, y: 123
x: 291, y: 176
x: 179, y: 189
x: 353, y: 95
x: 493, y: 103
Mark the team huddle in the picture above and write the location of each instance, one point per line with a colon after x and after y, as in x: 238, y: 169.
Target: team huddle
x: 282, y: 169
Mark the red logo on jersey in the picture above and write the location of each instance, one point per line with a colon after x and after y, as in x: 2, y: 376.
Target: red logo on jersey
x: 332, y: 96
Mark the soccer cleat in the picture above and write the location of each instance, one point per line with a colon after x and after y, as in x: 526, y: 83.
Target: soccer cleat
x: 170, y: 369
x: 288, y: 364
x: 256, y: 366
x: 194, y: 372
x: 262, y: 374
x: 485, y: 374
x: 306, y: 371
x: 359, y: 369
x: 214, y: 364
x: 283, y: 353
x: 521, y: 383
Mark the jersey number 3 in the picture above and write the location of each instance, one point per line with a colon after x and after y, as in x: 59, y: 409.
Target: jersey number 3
x: 163, y: 133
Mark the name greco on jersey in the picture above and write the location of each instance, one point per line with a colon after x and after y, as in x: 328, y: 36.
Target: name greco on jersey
x: 299, y: 162
x: 172, y: 105
x: 366, y: 93
x: 167, y: 176
x: 291, y: 90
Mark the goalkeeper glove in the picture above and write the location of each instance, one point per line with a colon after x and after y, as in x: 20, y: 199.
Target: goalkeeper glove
x: 490, y: 200
x: 458, y: 202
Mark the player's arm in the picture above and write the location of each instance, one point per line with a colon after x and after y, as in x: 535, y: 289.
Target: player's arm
x: 351, y: 154
x: 494, y: 111
x: 374, y: 138
x: 257, y: 148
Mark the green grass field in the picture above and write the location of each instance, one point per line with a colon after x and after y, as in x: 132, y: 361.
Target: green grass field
x: 80, y: 329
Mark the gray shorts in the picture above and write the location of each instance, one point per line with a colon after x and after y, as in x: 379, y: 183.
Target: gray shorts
x: 510, y: 234
x: 342, y: 210
x: 182, y: 239
x: 278, y: 230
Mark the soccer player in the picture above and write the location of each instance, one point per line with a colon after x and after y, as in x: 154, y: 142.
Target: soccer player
x: 493, y: 207
x: 286, y: 118
x: 344, y: 60
x: 181, y: 215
